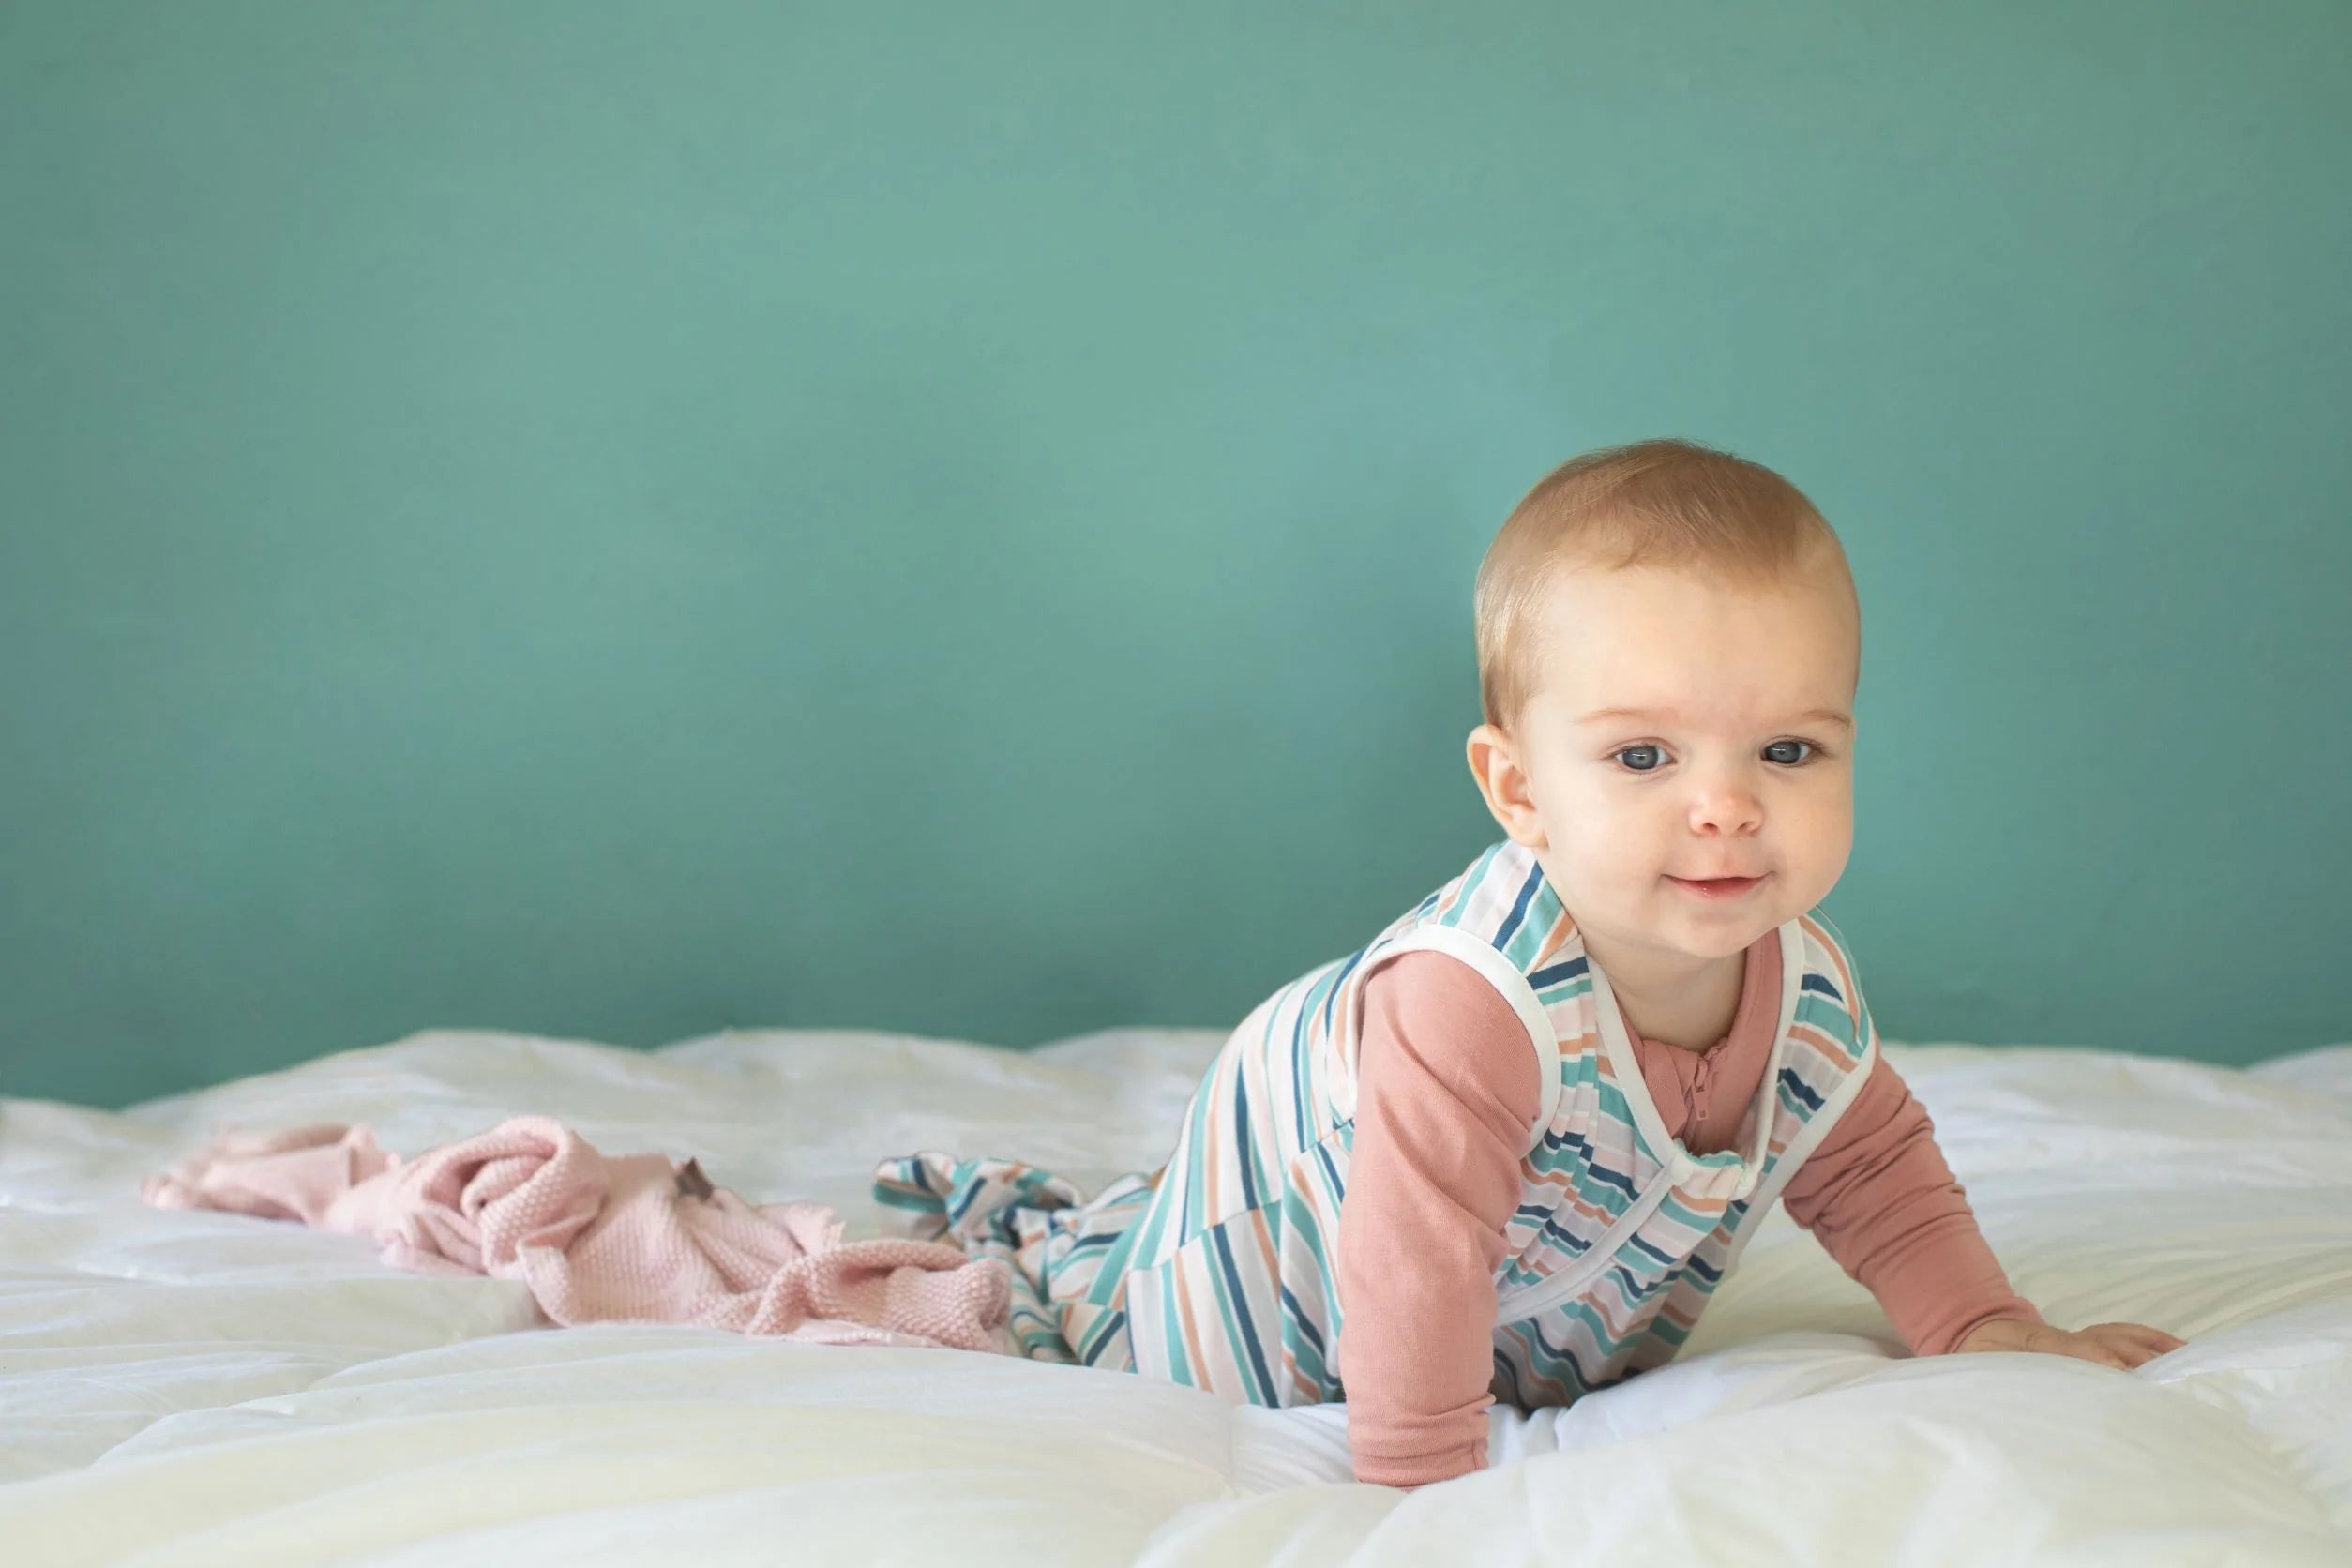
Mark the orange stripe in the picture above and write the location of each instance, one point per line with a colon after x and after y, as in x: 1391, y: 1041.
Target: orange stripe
x: 1183, y: 1320
x: 1555, y: 939
x: 1569, y: 1198
x: 1265, y: 1244
x: 1826, y: 1046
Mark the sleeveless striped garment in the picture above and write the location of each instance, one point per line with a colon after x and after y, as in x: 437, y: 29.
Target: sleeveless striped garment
x: 1216, y: 1271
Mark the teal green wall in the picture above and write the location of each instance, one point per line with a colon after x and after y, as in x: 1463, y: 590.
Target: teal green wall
x: 617, y: 520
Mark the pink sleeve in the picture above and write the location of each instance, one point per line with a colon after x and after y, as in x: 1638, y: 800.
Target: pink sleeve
x: 1446, y: 1091
x: 1884, y: 1204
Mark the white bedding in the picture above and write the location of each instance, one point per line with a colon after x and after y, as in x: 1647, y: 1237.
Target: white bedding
x: 199, y: 1388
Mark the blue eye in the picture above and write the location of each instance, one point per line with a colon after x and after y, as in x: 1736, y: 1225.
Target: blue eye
x: 1641, y: 759
x: 1789, y: 752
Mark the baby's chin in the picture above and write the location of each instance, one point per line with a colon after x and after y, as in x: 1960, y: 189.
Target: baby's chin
x: 1717, y: 929
x: 1721, y: 943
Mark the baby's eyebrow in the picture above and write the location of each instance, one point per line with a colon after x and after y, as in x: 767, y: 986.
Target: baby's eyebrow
x: 1598, y: 715
x: 1827, y: 716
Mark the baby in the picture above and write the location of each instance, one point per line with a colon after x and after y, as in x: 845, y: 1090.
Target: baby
x: 1509, y: 1148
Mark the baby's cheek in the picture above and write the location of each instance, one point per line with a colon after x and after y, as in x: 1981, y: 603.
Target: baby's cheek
x: 1818, y: 836
x: 1610, y: 847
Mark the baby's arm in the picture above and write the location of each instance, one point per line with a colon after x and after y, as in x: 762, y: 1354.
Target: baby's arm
x: 1446, y: 1090
x: 1885, y: 1205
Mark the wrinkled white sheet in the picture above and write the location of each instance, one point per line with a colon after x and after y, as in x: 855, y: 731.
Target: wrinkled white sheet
x: 182, y: 1388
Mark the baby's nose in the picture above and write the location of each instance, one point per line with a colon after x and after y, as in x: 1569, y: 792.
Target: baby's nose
x: 1727, y: 810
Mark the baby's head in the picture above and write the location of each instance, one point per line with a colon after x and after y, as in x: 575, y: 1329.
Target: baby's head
x: 1669, y: 643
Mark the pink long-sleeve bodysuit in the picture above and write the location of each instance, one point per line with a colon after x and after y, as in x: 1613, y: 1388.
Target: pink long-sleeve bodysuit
x: 1448, y: 1089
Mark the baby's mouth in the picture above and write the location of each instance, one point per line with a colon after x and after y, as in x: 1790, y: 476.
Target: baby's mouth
x: 1718, y: 889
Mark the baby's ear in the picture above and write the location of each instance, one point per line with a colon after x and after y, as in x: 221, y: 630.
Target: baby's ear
x: 1494, y: 762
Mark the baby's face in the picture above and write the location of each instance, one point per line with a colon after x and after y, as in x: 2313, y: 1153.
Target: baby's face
x: 1687, y: 752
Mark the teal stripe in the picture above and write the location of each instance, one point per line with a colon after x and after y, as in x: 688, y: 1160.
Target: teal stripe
x: 1173, y: 1324
x: 1471, y: 883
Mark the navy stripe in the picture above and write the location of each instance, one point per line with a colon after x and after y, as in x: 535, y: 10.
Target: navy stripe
x: 1245, y: 1148
x: 1633, y: 1293
x: 966, y: 1194
x: 1553, y: 1232
x: 1338, y: 1186
x: 1300, y: 1320
x: 1795, y: 1085
x: 1635, y: 1240
x: 1239, y: 1304
x: 1569, y: 1139
x: 1817, y: 982
x: 1340, y: 979
x: 1560, y: 1356
x: 1621, y: 1181
x: 1518, y: 910
x: 1554, y: 976
x: 1574, y: 1245
x: 1105, y: 1329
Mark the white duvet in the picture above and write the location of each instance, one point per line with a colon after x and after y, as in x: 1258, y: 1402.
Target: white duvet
x: 204, y: 1387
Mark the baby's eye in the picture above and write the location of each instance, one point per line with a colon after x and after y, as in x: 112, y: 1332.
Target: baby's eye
x: 1641, y: 759
x: 1789, y: 752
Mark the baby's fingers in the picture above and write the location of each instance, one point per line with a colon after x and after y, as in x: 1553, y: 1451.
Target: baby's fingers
x: 2155, y: 1342
x: 2119, y: 1346
x: 2087, y: 1346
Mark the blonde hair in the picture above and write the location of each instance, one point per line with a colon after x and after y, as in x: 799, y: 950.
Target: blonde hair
x: 1653, y: 503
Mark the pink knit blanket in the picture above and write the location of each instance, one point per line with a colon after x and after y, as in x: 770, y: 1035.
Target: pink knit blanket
x: 634, y: 1238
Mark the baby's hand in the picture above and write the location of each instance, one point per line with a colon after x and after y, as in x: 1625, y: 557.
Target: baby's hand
x: 2119, y: 1345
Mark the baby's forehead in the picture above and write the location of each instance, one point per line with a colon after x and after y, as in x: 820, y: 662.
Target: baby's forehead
x: 1644, y: 638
